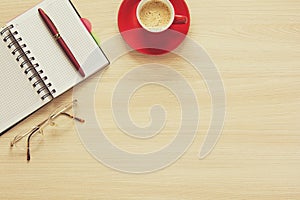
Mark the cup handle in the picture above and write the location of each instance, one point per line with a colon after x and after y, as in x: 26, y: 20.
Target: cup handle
x: 180, y: 19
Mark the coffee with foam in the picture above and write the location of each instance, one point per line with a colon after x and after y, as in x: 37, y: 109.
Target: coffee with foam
x: 155, y: 14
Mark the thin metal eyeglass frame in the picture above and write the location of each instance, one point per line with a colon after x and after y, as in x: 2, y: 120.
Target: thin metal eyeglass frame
x: 43, y: 124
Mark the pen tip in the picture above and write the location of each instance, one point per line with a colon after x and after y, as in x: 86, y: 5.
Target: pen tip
x: 81, y: 72
x: 40, y: 10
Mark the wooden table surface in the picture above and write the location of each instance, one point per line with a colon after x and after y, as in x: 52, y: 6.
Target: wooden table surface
x: 256, y: 47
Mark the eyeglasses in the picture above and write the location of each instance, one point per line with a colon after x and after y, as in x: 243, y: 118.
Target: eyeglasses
x: 39, y: 128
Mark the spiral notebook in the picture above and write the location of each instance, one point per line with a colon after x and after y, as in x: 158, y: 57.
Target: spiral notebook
x: 34, y: 70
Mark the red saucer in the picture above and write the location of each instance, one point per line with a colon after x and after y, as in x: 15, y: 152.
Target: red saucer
x: 151, y: 43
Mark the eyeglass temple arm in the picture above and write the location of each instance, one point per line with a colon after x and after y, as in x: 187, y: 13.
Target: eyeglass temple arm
x: 67, y: 107
x: 38, y: 127
x: 73, y: 117
x: 32, y: 132
x: 19, y: 138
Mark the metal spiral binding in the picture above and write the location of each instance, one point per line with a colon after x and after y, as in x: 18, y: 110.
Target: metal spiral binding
x: 26, y: 62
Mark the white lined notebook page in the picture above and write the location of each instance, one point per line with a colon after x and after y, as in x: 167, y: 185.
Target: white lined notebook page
x: 17, y: 96
x: 56, y: 65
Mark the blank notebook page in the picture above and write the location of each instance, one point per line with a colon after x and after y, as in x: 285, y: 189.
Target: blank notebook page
x: 16, y: 92
x: 47, y: 52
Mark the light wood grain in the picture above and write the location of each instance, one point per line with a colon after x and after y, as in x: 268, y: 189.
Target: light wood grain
x: 256, y: 46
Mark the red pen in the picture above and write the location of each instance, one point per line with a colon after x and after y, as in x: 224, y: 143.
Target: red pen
x: 61, y: 42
